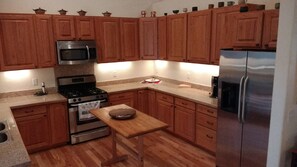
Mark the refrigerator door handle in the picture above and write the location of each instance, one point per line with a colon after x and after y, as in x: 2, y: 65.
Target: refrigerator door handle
x: 239, y: 99
x: 243, y: 99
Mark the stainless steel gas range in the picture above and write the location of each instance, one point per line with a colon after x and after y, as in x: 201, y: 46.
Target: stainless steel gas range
x: 82, y: 96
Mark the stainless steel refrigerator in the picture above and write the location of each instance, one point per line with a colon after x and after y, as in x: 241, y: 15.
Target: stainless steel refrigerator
x: 245, y: 93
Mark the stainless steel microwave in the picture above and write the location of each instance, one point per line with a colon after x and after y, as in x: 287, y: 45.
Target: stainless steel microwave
x: 76, y: 52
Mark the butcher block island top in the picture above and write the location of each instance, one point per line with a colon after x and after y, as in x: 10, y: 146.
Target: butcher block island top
x: 139, y: 125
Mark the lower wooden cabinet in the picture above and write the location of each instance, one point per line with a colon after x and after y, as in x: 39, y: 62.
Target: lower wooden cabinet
x: 42, y: 126
x: 142, y: 101
x: 165, y: 109
x: 206, y: 138
x: 152, y: 110
x: 184, y: 123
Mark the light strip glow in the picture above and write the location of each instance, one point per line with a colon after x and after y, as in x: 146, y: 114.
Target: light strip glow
x: 118, y: 66
x: 17, y: 75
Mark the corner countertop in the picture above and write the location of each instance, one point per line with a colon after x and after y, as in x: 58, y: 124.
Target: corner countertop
x: 192, y: 94
x: 13, y: 151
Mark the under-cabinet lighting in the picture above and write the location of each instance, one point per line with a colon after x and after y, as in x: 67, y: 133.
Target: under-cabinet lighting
x: 200, y: 68
x: 118, y: 66
x: 16, y: 75
x: 161, y: 64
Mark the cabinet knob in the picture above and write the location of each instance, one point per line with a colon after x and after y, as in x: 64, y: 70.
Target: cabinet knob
x: 210, y: 137
x: 257, y: 44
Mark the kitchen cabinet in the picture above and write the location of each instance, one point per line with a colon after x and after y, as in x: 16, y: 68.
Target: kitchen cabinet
x: 34, y: 126
x: 162, y: 38
x: 17, y: 42
x: 129, y: 98
x: 177, y: 37
x: 129, y: 39
x: 152, y: 111
x: 59, y: 123
x: 74, y: 28
x: 198, y: 38
x: 46, y: 54
x: 270, y: 29
x: 42, y: 126
x: 165, y: 109
x: 206, y: 125
x: 184, y: 117
x: 142, y: 101
x: 148, y: 29
x: 248, y: 29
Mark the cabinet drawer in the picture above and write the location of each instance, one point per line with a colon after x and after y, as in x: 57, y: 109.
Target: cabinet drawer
x: 119, y: 96
x: 164, y: 97
x: 206, y: 138
x: 207, y: 110
x: 27, y: 111
x: 207, y: 121
x: 185, y: 103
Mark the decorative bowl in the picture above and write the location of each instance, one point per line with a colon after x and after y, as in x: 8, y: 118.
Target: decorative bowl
x: 62, y: 12
x: 39, y: 11
x: 106, y: 14
x: 82, y: 12
x: 175, y: 11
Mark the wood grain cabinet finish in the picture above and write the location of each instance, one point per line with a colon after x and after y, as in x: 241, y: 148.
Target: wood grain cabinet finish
x: 34, y: 126
x: 165, y: 109
x: 46, y: 54
x: 198, y: 38
x: 85, y: 29
x: 184, y: 122
x: 108, y: 39
x: 270, y: 29
x: 59, y: 123
x: 152, y: 104
x: 129, y: 98
x: 177, y: 37
x: 162, y: 38
x: 248, y: 29
x: 148, y: 29
x: 17, y: 42
x: 129, y: 39
x: 142, y: 101
x: 64, y: 27
x: 206, y: 138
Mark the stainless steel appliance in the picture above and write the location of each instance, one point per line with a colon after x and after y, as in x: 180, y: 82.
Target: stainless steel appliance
x: 76, y: 52
x: 214, y: 87
x: 245, y: 93
x: 81, y: 90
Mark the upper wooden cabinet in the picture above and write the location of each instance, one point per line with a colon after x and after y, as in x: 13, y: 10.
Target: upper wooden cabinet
x: 198, y: 40
x: 85, y: 28
x: 74, y: 28
x: 162, y: 38
x: 270, y: 29
x: 129, y: 39
x: 17, y: 42
x: 108, y: 39
x: 45, y: 41
x: 148, y: 29
x: 177, y: 37
x: 248, y: 29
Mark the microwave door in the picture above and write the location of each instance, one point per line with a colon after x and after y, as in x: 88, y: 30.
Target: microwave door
x: 231, y: 77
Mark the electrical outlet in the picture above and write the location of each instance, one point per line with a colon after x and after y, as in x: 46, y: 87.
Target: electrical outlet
x: 34, y: 81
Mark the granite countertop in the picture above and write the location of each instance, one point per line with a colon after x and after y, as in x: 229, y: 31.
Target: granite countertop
x: 13, y: 152
x: 192, y: 94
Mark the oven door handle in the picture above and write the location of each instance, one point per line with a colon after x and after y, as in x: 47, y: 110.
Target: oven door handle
x: 76, y: 105
x: 88, y: 50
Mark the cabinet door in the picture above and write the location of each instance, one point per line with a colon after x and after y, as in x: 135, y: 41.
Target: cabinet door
x: 177, y: 37
x: 166, y: 113
x: 206, y: 138
x: 128, y: 98
x: 199, y: 26
x: 248, y: 29
x: 64, y: 27
x: 148, y: 38
x: 142, y: 101
x: 85, y: 28
x: 17, y: 42
x: 129, y: 39
x: 184, y: 124
x: 162, y: 38
x: 35, y: 131
x: 108, y: 39
x: 45, y: 41
x: 270, y: 29
x: 152, y: 110
x: 223, y: 20
x: 59, y: 123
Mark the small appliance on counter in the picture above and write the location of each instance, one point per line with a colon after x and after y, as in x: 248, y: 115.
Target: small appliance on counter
x: 214, y: 87
x: 42, y: 91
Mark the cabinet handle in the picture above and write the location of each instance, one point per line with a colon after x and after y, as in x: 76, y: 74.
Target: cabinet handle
x: 163, y: 97
x: 209, y: 111
x: 210, y: 137
x: 140, y: 92
x: 209, y: 123
x: 44, y: 115
x: 185, y: 104
x: 257, y: 44
x: 266, y: 45
x: 28, y: 111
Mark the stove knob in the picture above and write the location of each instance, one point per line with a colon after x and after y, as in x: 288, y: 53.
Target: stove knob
x: 74, y: 100
x: 79, y: 99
